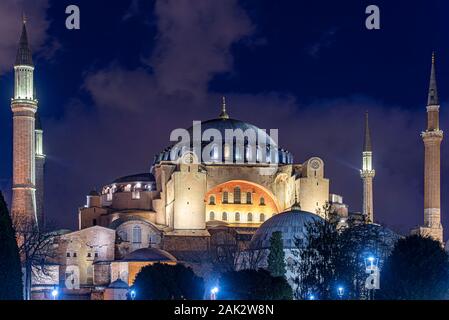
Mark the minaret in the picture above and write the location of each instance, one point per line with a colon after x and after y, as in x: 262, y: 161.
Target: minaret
x: 40, y: 169
x: 432, y: 138
x: 24, y: 107
x: 367, y: 173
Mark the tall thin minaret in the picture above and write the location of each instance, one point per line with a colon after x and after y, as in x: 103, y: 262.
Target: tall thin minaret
x: 432, y: 138
x: 24, y: 107
x: 40, y: 169
x: 367, y: 173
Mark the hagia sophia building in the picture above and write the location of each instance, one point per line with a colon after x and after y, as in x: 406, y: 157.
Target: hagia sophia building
x: 187, y: 206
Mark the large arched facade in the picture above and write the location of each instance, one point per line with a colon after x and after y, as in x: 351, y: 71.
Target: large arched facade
x: 240, y: 202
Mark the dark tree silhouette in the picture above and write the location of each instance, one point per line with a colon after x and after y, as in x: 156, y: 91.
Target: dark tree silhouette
x: 417, y: 269
x: 276, y: 257
x: 168, y: 282
x: 10, y: 268
x: 254, y: 285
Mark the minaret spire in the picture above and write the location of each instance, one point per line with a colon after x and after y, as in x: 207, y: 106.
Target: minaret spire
x: 24, y: 56
x: 367, y: 173
x: 432, y: 138
x: 367, y: 141
x: 432, y: 99
x: 223, y: 114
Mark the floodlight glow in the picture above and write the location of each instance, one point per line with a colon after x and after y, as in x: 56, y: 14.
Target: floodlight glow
x: 214, y: 290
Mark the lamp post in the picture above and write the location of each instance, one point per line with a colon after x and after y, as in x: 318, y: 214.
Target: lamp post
x: 213, y: 293
x: 312, y: 297
x: 340, y: 292
x: 133, y: 294
x: 54, y: 293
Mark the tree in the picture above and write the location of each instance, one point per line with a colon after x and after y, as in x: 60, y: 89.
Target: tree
x: 276, y: 257
x: 10, y: 269
x: 316, y: 258
x: 36, y: 249
x: 254, y: 285
x: 168, y: 282
x: 417, y: 269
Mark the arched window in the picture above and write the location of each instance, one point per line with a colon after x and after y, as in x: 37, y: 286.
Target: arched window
x: 137, y: 234
x: 262, y: 217
x: 248, y: 198
x: 237, y: 195
x: 224, y: 216
x: 211, y: 215
x: 225, y: 197
x: 211, y: 200
x: 250, y: 217
x: 237, y: 216
x: 262, y: 201
x: 123, y: 235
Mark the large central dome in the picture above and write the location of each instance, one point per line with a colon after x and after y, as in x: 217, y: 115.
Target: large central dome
x: 235, y: 147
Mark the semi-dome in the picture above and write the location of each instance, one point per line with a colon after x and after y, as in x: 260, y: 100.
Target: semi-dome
x: 273, y: 153
x: 118, y: 284
x: 291, y: 223
x: 140, y: 177
x: 149, y: 255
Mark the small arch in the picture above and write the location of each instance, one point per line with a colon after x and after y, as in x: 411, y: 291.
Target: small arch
x: 250, y: 217
x: 225, y: 197
x: 249, y: 198
x: 262, y: 201
x: 212, y: 215
x: 212, y: 200
x: 224, y: 216
x: 262, y: 217
x: 237, y: 216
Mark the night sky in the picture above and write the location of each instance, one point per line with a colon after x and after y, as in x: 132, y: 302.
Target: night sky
x: 110, y: 93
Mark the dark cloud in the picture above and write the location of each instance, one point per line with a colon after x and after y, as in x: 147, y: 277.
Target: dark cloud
x: 10, y: 25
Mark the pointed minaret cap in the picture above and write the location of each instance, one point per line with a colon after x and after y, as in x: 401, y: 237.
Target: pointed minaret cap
x: 223, y: 114
x: 24, y: 57
x: 432, y: 99
x: 367, y: 140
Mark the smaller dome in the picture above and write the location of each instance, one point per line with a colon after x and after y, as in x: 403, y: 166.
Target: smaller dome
x: 292, y: 224
x: 149, y: 254
x: 141, y: 177
x: 118, y: 284
x: 94, y: 193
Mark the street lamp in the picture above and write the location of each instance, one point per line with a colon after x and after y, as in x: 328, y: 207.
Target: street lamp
x: 133, y: 294
x: 340, y: 292
x: 54, y: 293
x: 312, y: 297
x: 213, y: 293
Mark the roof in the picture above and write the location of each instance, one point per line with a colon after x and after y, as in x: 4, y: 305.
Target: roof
x: 292, y: 224
x: 140, y: 177
x: 118, y: 284
x: 117, y: 222
x: 149, y: 254
x: 24, y: 56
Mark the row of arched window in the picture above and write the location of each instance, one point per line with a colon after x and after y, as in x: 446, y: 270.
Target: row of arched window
x: 237, y: 217
x: 237, y: 197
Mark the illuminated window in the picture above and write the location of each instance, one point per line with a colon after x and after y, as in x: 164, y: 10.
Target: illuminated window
x: 262, y: 217
x: 211, y: 215
x: 135, y: 195
x: 237, y: 195
x: 225, y: 197
x: 109, y: 196
x: 224, y: 216
x: 248, y: 198
x: 128, y: 188
x: 237, y: 216
x: 250, y: 217
x: 137, y: 234
x: 211, y: 200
